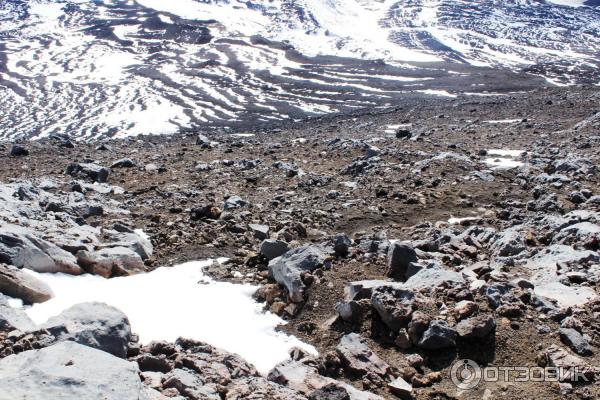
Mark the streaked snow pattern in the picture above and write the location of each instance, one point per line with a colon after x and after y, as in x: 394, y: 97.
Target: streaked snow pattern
x: 102, y: 68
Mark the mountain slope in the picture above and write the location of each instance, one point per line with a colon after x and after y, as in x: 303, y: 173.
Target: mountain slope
x: 116, y: 68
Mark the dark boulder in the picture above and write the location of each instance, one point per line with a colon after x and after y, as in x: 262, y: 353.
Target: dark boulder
x: 400, y: 256
x: 96, y: 325
x: 92, y: 172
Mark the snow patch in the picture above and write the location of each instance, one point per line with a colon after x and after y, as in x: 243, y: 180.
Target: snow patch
x: 443, y: 93
x: 503, y: 121
x: 570, y: 3
x: 179, y: 301
x: 504, y: 159
x: 458, y: 221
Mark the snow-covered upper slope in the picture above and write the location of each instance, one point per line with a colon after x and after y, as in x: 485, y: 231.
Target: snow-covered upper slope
x: 116, y: 68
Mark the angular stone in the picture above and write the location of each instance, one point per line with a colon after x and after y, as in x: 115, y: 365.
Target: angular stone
x: 271, y: 248
x: 123, y: 163
x: 400, y: 387
x: 394, y: 306
x: 575, y: 341
x: 352, y: 311
x: 476, y: 327
x: 358, y: 358
x: 261, y: 232
x: 19, y: 284
x: 438, y: 336
x: 288, y: 269
x: 400, y: 256
x: 234, y: 202
x: 18, y: 151
x: 465, y: 308
x: 341, y: 244
x: 432, y: 276
x: 364, y: 289
x: 112, y: 261
x: 510, y: 243
x: 135, y: 241
x: 558, y: 357
x: 92, y: 172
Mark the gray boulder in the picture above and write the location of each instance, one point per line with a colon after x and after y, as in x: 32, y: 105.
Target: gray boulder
x: 272, y: 248
x: 233, y: 202
x: 92, y: 172
x: 353, y: 311
x: 17, y: 283
x: 67, y: 371
x: 13, y: 318
x: 438, y: 336
x: 22, y: 249
x: 341, y: 244
x: 575, y: 341
x: 203, y: 141
x: 96, y: 325
x: 18, y: 151
x: 497, y: 292
x: 131, y: 240
x: 123, y: 163
x: 112, y: 261
x: 574, y: 164
x: 400, y: 256
x: 578, y: 233
x: 400, y: 387
x: 261, y: 232
x: 476, y: 327
x: 393, y: 305
x: 358, y: 358
x: 359, y: 290
x: 288, y: 269
x: 432, y: 276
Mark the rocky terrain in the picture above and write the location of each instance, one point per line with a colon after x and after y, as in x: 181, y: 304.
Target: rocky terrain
x: 396, y: 242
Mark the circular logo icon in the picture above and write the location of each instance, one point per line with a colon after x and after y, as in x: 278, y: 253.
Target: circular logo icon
x: 465, y: 374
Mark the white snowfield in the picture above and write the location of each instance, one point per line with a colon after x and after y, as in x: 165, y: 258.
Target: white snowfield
x: 179, y: 302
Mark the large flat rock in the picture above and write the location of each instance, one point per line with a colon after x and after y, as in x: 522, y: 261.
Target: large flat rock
x: 68, y: 371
